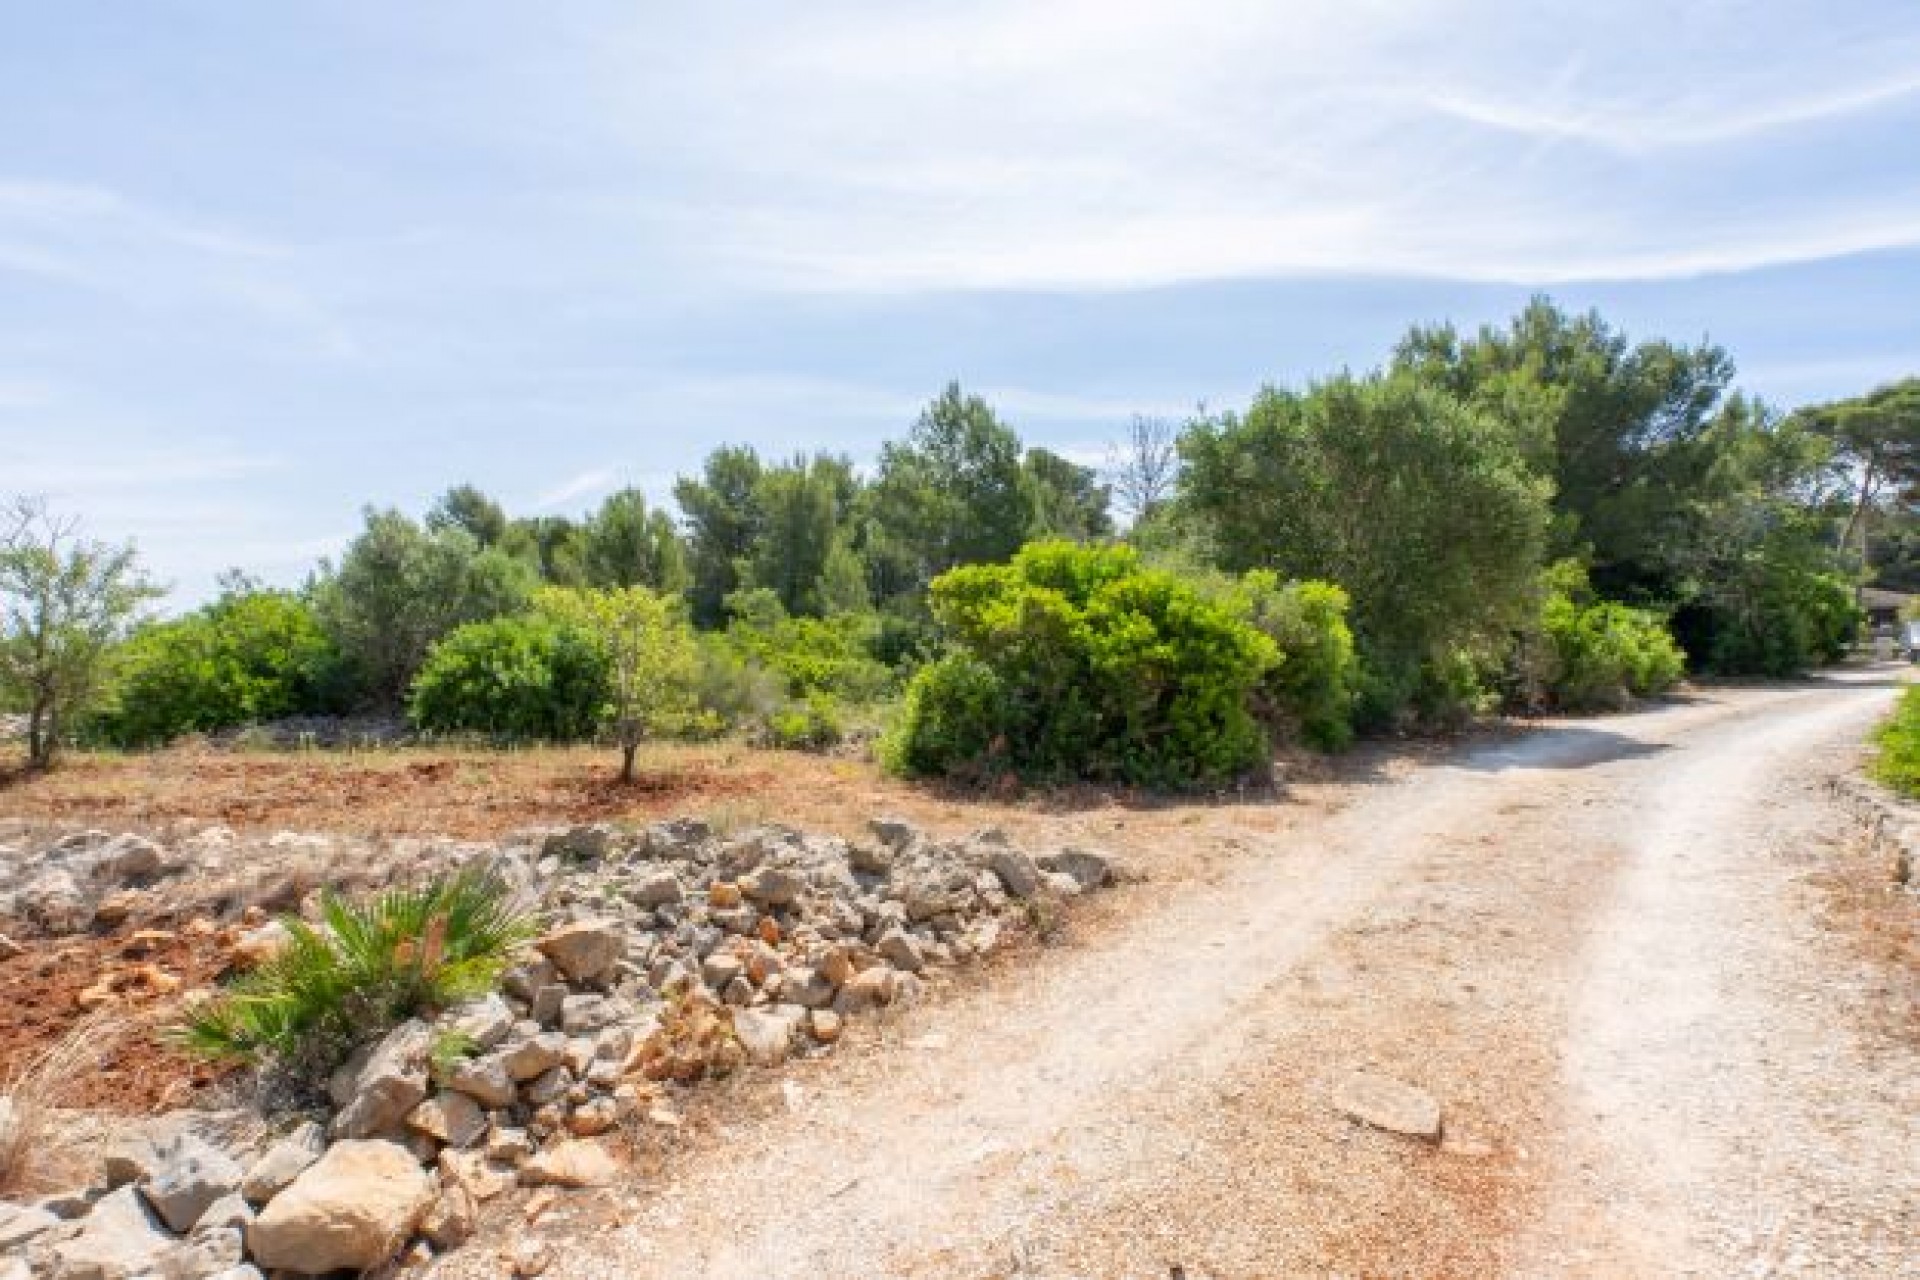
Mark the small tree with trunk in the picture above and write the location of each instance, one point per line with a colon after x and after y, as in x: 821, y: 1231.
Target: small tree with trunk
x: 652, y: 661
x: 65, y: 601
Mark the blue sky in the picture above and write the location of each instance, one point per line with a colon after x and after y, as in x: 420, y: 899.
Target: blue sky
x: 261, y: 264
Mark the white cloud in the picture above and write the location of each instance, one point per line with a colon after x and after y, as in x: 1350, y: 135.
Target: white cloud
x: 1680, y: 123
x: 1006, y: 145
x: 587, y: 484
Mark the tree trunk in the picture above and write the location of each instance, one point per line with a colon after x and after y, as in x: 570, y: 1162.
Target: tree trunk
x: 627, y: 751
x: 43, y: 733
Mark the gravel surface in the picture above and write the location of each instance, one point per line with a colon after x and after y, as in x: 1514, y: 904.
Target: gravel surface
x: 1594, y: 945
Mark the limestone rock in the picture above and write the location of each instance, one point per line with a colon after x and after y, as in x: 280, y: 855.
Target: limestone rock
x: 585, y: 950
x: 453, y: 1217
x: 534, y: 1056
x: 486, y: 1021
x: 120, y: 1239
x: 656, y: 889
x: 766, y: 1036
x: 392, y: 1083
x: 1015, y: 869
x: 282, y: 1163
x: 486, y: 1080
x: 1389, y: 1104
x: 351, y: 1210
x: 20, y: 1223
x: 899, y: 949
x: 191, y: 1177
x: 894, y: 833
x: 1089, y: 870
x: 450, y: 1117
x: 576, y: 1162
x: 772, y: 886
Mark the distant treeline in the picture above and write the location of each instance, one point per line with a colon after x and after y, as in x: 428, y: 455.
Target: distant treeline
x: 1541, y: 514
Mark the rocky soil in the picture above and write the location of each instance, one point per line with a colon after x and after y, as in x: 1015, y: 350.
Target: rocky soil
x: 674, y: 954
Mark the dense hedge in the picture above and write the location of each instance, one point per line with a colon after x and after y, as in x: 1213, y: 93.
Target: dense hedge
x: 1782, y: 624
x: 1075, y: 662
x: 1596, y: 654
x: 525, y: 676
x: 249, y: 656
x: 1309, y: 693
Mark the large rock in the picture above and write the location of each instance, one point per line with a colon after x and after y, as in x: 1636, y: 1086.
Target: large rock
x: 53, y: 901
x: 585, y: 950
x: 450, y: 1117
x: 352, y: 1210
x: 192, y: 1176
x: 128, y: 857
x: 485, y: 1021
x: 581, y: 844
x: 772, y: 886
x: 534, y: 1056
x: 1389, y: 1104
x: 1015, y: 869
x: 656, y: 889
x: 894, y: 833
x: 392, y: 1083
x: 1089, y: 870
x: 284, y: 1161
x: 118, y: 1240
x: 20, y: 1223
x: 576, y: 1162
x: 766, y: 1035
x: 901, y: 950
x: 485, y: 1080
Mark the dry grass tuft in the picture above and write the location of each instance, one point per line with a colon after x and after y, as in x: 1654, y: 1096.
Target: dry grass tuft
x: 33, y: 1145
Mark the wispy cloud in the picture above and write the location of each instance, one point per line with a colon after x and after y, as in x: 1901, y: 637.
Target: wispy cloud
x: 587, y: 484
x: 1682, y: 122
x: 100, y: 239
x: 992, y: 145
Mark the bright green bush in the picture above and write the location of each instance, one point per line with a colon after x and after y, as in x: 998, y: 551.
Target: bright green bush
x: 1897, y: 760
x: 365, y: 968
x: 1075, y: 662
x: 832, y: 655
x: 1309, y: 693
x: 812, y: 723
x: 526, y: 676
x: 247, y: 657
x: 1597, y: 654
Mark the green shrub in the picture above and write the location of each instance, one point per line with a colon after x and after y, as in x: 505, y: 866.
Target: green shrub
x: 1309, y: 693
x: 812, y: 723
x: 1596, y: 654
x: 731, y: 690
x: 1074, y: 662
x: 832, y: 655
x: 526, y: 676
x: 1779, y: 621
x: 247, y: 657
x: 366, y: 968
x: 1897, y: 759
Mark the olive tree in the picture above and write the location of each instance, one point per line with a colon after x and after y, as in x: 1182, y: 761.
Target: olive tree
x: 652, y: 661
x: 65, y: 602
x: 1422, y: 508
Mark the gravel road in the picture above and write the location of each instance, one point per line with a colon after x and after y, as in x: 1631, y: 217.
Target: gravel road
x: 1596, y: 943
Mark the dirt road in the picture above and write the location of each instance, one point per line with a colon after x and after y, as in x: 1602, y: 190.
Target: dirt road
x: 1596, y: 943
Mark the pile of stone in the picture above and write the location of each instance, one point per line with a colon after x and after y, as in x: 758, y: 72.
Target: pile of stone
x: 83, y: 880
x: 672, y: 954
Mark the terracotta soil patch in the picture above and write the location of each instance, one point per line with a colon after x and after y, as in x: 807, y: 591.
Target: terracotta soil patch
x: 131, y: 1074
